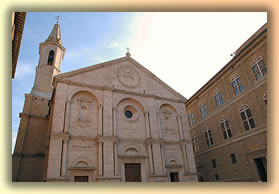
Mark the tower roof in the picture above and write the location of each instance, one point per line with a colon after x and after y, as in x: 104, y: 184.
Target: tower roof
x: 55, y: 35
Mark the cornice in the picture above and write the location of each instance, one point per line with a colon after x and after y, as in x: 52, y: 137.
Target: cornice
x: 28, y: 115
x: 244, y: 136
x: 231, y: 101
x: 117, y: 90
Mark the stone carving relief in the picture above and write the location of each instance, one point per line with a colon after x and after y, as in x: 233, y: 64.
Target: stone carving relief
x: 84, y: 115
x: 168, y: 122
x: 128, y: 76
x: 83, y: 112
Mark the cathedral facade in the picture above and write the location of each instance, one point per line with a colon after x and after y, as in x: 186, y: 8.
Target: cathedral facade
x: 114, y: 121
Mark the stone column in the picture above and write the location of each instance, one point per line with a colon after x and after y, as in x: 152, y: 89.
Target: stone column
x: 64, y: 158
x: 159, y: 125
x: 100, y: 158
x: 163, y: 157
x: 100, y: 132
x: 114, y: 121
x: 147, y: 127
x: 108, y: 158
x: 116, y: 171
x: 185, y: 159
x: 150, y: 159
x: 157, y: 158
x: 67, y: 116
x: 180, y: 127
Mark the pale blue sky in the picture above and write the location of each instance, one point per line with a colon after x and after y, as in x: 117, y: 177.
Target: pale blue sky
x: 183, y: 49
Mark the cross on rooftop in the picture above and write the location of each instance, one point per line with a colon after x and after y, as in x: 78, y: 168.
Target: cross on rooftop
x: 57, y: 18
x: 128, y: 53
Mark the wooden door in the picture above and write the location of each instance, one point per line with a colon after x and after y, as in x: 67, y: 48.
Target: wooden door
x: 81, y: 179
x: 132, y: 172
x: 174, y: 177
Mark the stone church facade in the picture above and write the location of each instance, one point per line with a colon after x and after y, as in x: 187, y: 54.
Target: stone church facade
x: 114, y: 121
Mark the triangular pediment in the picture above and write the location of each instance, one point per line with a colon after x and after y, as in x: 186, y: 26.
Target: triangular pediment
x: 123, y: 74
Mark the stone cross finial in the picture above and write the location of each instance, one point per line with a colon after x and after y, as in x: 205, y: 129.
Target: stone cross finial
x: 128, y: 53
x: 57, y: 18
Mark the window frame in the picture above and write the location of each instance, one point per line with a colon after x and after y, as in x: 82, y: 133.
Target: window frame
x: 218, y: 98
x: 191, y: 119
x: 50, y: 59
x: 195, y: 143
x: 233, y: 158
x: 227, y: 132
x: 249, y: 120
x: 208, y: 137
x: 203, y: 110
x: 214, y: 163
x: 261, y: 70
x: 236, y: 84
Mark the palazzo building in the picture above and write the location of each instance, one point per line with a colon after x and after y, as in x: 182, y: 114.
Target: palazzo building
x: 114, y: 121
x: 228, y: 117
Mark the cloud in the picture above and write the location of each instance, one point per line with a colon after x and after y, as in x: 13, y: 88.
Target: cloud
x: 113, y: 45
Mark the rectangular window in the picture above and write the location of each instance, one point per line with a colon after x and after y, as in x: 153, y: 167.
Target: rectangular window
x: 208, y: 137
x: 191, y: 119
x: 203, y: 111
x: 213, y: 163
x: 233, y: 158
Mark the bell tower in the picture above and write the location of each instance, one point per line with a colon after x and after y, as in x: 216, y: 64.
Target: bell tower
x: 51, y: 55
x: 28, y: 161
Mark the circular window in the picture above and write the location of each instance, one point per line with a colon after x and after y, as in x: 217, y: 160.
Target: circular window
x: 128, y: 114
x: 83, y: 107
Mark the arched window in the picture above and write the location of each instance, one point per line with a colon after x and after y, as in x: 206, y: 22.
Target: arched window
x: 236, y: 84
x: 208, y: 137
x: 195, y: 143
x: 218, y: 97
x: 191, y: 119
x: 50, y: 57
x: 203, y: 110
x: 246, y: 117
x: 259, y: 68
x: 226, y: 128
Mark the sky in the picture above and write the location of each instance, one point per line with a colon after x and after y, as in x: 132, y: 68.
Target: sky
x: 183, y: 49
